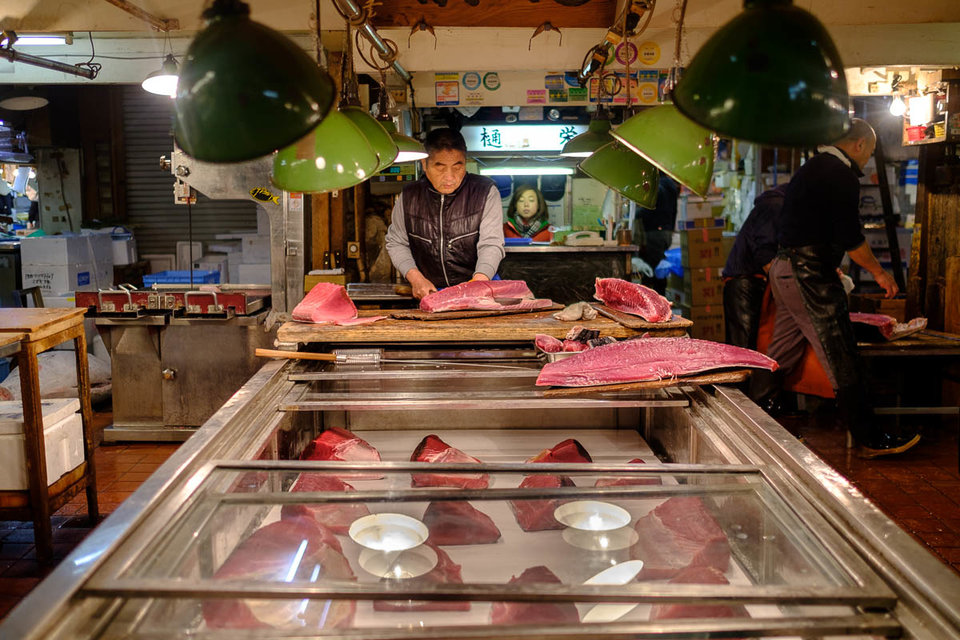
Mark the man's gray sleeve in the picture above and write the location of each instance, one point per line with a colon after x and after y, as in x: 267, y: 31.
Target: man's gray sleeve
x: 490, y: 243
x: 398, y: 244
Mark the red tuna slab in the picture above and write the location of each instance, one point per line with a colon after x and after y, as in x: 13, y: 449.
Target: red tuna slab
x: 648, y: 359
x: 537, y: 515
x: 339, y: 444
x: 446, y: 572
x: 887, y: 326
x: 433, y: 449
x: 547, y: 344
x: 573, y: 345
x: 696, y: 575
x: 632, y: 298
x: 567, y: 451
x: 534, y: 613
x: 337, y: 516
x: 269, y: 555
x: 327, y: 302
x: 677, y: 534
x: 483, y: 295
x: 629, y: 481
x: 452, y: 523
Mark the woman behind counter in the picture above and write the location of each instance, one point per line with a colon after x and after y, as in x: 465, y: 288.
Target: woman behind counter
x: 527, y: 216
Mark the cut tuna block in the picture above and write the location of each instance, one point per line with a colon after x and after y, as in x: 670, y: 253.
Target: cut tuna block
x: 484, y: 295
x: 886, y: 326
x: 573, y: 345
x: 547, y: 344
x: 632, y: 298
x: 567, y: 451
x: 696, y: 575
x: 327, y: 302
x: 677, y: 534
x: 337, y: 516
x: 433, y: 449
x: 452, y: 523
x: 338, y: 444
x: 537, y: 515
x: 648, y: 359
x: 446, y: 572
x: 271, y: 554
x: 628, y: 481
x: 534, y: 613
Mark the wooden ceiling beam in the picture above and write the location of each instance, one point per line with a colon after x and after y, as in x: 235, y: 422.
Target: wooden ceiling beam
x: 496, y: 13
x: 160, y: 24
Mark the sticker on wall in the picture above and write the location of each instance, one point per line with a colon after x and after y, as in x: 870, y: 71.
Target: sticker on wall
x: 648, y: 86
x: 264, y: 195
x: 447, y: 88
x: 576, y: 94
x: 471, y: 81
x: 473, y: 98
x: 491, y: 81
x: 553, y: 82
x: 557, y: 95
x: 536, y: 96
x: 649, y: 52
x: 626, y: 53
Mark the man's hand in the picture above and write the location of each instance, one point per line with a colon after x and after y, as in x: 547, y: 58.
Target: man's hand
x: 419, y: 283
x: 479, y: 276
x: 889, y: 285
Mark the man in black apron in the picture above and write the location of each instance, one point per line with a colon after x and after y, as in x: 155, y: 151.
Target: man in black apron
x: 819, y: 223
x: 447, y: 227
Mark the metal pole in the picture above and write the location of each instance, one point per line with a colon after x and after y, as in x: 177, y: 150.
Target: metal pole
x: 367, y: 31
x: 53, y: 65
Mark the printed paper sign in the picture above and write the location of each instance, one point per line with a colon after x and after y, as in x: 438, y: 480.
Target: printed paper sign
x: 536, y: 96
x: 649, y: 52
x: 448, y: 92
x: 471, y: 80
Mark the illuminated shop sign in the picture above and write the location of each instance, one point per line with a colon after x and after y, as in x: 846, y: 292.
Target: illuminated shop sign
x: 520, y: 137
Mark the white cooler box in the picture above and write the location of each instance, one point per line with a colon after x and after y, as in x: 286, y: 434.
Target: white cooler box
x: 58, y: 280
x: 63, y: 441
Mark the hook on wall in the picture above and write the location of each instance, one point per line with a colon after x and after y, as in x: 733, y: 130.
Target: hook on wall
x: 422, y: 25
x: 546, y: 26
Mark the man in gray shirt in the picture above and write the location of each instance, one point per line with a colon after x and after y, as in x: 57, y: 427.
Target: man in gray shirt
x: 447, y: 227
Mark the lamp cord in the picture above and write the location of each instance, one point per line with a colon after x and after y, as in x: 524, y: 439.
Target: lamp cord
x: 90, y: 64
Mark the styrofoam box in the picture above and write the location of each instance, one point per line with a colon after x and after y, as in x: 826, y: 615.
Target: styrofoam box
x: 254, y: 273
x: 56, y: 279
x: 62, y: 436
x: 184, y: 254
x: 62, y: 250
x: 225, y: 246
x: 256, y: 249
x: 124, y: 251
x: 218, y: 262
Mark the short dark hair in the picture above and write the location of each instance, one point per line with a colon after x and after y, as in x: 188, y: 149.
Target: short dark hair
x: 444, y: 140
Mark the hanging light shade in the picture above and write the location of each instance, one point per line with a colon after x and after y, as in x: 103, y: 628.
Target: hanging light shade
x: 164, y: 81
x: 596, y: 135
x: 245, y: 89
x: 380, y: 141
x: 409, y: 148
x: 772, y: 75
x: 673, y: 143
x: 625, y: 172
x: 335, y: 155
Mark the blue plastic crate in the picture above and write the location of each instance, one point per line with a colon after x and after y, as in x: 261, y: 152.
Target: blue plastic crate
x: 181, y: 277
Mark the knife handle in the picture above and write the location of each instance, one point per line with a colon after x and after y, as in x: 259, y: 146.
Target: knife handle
x: 295, y: 355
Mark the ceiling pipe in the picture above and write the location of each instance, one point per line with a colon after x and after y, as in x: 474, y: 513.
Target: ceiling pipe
x: 53, y: 65
x: 353, y: 12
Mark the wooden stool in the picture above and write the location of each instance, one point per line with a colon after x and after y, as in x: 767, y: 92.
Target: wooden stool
x: 38, y: 330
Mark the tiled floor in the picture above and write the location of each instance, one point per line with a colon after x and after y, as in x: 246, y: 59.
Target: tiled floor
x: 919, y: 489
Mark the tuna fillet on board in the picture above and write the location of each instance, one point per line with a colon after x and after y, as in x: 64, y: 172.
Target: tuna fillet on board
x: 446, y: 572
x: 679, y: 533
x: 337, y: 516
x: 327, y: 302
x: 484, y: 295
x: 433, y: 449
x: 534, y: 612
x: 648, y: 359
x: 270, y: 555
x: 632, y: 298
x: 459, y: 522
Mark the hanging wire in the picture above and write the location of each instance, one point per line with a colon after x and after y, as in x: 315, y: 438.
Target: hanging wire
x: 90, y: 65
x: 679, y: 13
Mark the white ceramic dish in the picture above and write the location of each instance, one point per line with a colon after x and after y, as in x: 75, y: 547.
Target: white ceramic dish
x: 592, y: 515
x: 617, y: 575
x: 398, y: 565
x: 388, y: 532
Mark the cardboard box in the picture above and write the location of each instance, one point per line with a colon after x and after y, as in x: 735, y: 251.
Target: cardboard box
x: 62, y: 250
x: 254, y: 273
x: 701, y: 223
x: 63, y: 279
x: 694, y: 207
x: 707, y: 321
x: 703, y: 286
x: 701, y: 248
x: 726, y: 243
x: 63, y: 441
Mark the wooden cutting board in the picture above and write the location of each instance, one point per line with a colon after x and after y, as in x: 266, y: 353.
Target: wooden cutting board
x: 416, y: 314
x: 722, y: 377
x: 636, y: 322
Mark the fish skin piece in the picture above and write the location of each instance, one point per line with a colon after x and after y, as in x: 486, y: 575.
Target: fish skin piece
x: 433, y: 449
x: 534, y: 612
x: 648, y: 359
x: 633, y: 298
x: 481, y: 295
x: 458, y: 523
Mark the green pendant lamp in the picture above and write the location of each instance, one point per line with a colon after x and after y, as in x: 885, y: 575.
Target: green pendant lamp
x: 673, y: 143
x: 380, y: 141
x: 625, y: 172
x: 336, y: 155
x: 596, y: 135
x: 772, y: 76
x: 245, y: 89
x: 409, y: 148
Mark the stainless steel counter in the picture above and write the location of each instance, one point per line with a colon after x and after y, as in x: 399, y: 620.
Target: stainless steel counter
x: 551, y: 248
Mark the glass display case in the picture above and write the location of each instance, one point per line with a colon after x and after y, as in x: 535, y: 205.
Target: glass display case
x: 696, y: 517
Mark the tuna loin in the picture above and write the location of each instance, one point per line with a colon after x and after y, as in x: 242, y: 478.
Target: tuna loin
x: 887, y: 326
x: 327, y: 302
x: 634, y: 299
x: 567, y: 451
x: 537, y: 515
x: 433, y: 449
x: 677, y: 534
x: 483, y: 295
x: 547, y: 344
x: 340, y: 445
x: 446, y: 572
x: 452, y: 523
x: 534, y: 613
x: 696, y: 575
x: 267, y: 556
x: 338, y: 516
x: 648, y: 359
x: 626, y: 481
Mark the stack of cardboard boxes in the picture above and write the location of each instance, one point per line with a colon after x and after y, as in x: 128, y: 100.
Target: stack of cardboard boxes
x: 698, y: 294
